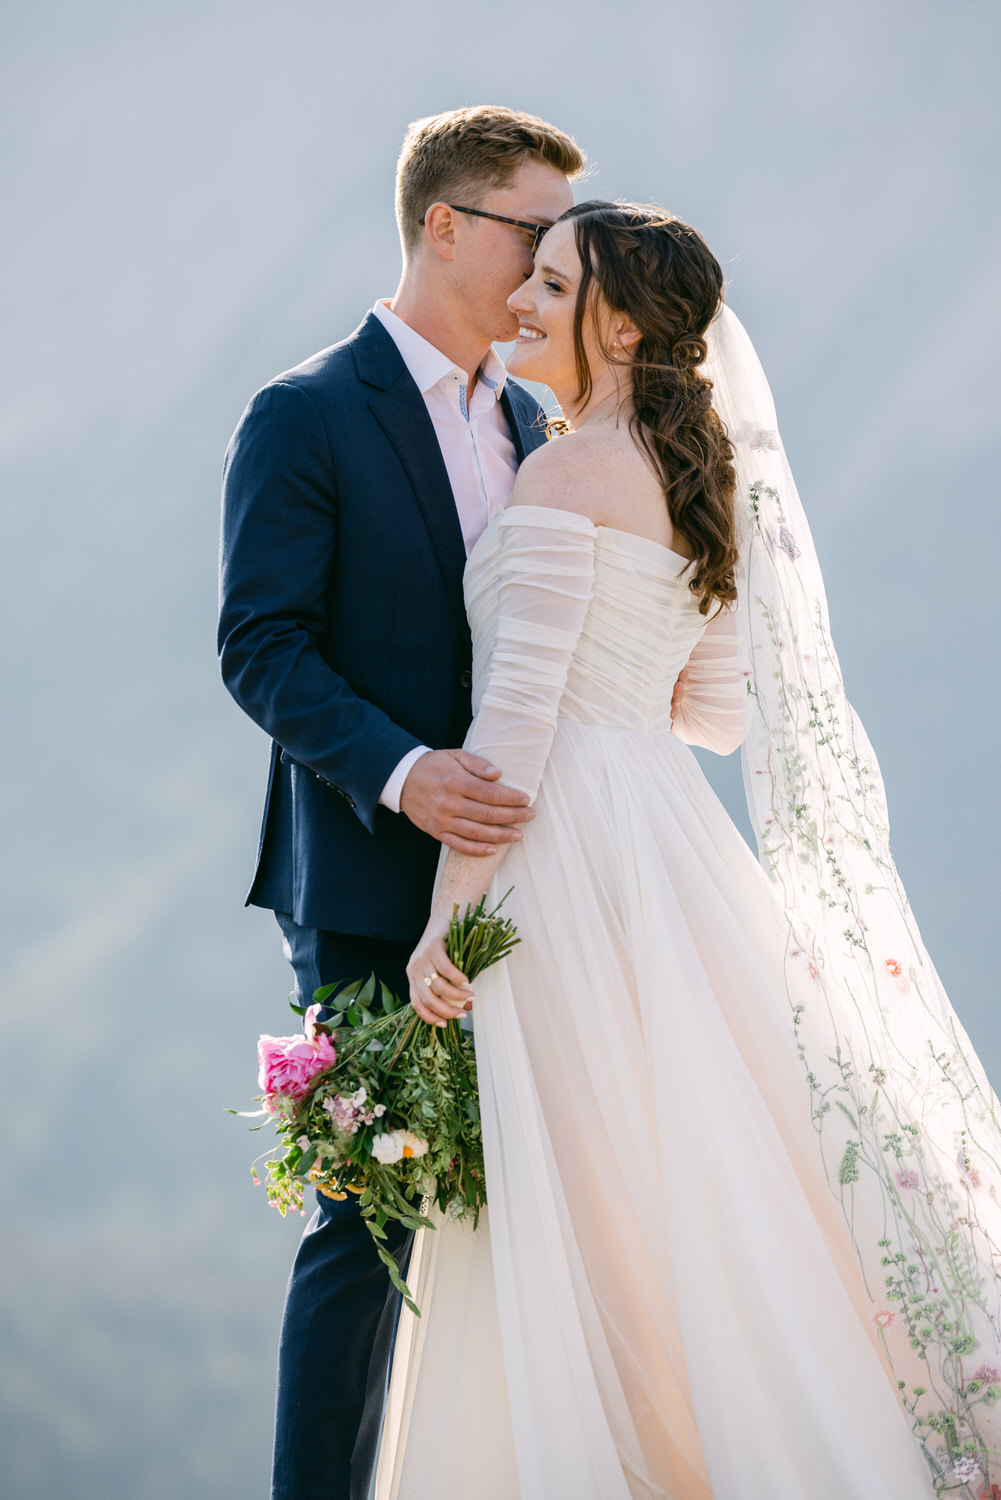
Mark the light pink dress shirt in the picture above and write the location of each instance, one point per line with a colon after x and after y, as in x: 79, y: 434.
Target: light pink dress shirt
x: 475, y: 442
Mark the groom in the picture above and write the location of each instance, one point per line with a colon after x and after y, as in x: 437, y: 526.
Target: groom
x: 354, y: 488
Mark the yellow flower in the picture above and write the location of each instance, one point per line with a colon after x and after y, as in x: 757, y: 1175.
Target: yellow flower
x: 339, y: 1194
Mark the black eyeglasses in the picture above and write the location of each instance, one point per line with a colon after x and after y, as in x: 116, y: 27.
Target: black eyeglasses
x: 535, y: 230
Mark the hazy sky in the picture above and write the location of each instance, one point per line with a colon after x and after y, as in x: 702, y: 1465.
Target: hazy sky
x: 198, y: 195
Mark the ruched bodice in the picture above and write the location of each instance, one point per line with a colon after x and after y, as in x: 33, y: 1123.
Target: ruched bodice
x: 584, y: 623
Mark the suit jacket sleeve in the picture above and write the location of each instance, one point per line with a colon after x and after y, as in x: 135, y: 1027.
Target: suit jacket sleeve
x: 279, y: 536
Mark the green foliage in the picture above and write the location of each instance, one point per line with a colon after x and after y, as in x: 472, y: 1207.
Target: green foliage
x: 396, y: 1118
x: 848, y: 1170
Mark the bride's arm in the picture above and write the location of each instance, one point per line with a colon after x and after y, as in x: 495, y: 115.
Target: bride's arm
x: 545, y: 577
x: 710, y: 696
x: 463, y: 881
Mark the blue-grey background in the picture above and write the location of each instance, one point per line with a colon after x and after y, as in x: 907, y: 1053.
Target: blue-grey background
x: 197, y: 195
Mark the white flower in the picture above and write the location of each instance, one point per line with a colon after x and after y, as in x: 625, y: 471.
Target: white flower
x: 758, y: 439
x: 303, y: 1143
x: 413, y: 1145
x: 965, y: 1469
x: 393, y: 1145
x: 387, y: 1147
x: 379, y: 1111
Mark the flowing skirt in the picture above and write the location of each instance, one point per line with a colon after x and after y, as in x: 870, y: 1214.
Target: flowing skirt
x: 665, y: 1301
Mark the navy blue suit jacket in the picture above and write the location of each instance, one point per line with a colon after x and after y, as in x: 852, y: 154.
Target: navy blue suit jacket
x: 342, y: 630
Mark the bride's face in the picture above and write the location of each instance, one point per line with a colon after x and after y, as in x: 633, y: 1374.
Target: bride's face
x: 544, y: 307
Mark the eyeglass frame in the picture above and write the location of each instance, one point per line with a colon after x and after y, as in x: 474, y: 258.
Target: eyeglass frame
x: 538, y: 230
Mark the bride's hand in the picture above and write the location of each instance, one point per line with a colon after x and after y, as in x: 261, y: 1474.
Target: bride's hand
x: 448, y: 994
x: 678, y: 696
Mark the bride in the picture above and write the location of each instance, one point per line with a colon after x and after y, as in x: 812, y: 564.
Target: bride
x: 742, y: 1161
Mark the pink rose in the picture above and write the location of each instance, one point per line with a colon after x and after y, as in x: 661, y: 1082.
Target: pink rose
x: 288, y: 1064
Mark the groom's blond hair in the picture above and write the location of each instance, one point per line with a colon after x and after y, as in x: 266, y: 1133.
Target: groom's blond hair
x: 457, y: 156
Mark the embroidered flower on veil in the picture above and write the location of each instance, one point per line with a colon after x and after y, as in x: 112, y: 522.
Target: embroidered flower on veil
x: 758, y: 439
x: 788, y: 544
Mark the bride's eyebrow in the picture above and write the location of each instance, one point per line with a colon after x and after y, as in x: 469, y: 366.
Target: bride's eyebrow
x: 552, y: 271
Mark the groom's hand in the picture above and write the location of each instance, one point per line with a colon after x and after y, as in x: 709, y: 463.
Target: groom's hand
x: 460, y: 800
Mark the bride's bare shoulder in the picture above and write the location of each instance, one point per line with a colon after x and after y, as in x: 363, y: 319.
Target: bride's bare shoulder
x: 584, y: 471
x: 575, y: 471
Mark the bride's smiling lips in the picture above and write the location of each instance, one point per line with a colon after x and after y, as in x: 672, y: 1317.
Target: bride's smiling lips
x: 527, y: 334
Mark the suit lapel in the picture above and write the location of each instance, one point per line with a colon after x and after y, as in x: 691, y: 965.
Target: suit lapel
x: 399, y: 408
x: 521, y: 412
x: 403, y: 417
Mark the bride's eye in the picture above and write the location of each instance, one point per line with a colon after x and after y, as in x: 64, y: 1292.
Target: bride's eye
x: 552, y: 286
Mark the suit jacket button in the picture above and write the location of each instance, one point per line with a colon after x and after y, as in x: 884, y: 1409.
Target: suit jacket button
x: 466, y: 680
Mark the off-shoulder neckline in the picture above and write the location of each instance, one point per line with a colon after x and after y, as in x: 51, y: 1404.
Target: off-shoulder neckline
x: 577, y: 521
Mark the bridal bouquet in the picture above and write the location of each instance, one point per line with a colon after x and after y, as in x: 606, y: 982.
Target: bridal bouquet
x: 382, y: 1106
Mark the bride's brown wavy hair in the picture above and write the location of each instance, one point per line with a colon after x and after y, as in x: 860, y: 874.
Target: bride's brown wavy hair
x: 661, y: 273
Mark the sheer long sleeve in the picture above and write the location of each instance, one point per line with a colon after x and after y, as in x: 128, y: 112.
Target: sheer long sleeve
x: 711, y: 711
x: 545, y: 579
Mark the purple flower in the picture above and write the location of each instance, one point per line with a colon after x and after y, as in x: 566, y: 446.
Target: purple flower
x: 787, y: 544
x: 350, y: 1113
x: 989, y: 1374
x: 969, y: 1171
x: 908, y: 1180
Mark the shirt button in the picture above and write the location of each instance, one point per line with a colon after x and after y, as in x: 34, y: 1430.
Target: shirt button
x: 466, y: 680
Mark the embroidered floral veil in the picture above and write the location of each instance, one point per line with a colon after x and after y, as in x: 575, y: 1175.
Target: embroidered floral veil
x: 908, y: 1127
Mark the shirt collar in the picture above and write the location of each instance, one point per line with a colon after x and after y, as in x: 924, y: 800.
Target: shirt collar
x: 427, y: 364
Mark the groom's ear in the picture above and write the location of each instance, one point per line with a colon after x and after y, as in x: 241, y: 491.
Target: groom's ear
x: 439, y: 230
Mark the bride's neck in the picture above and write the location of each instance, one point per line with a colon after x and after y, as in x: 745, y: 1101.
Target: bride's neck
x: 609, y: 401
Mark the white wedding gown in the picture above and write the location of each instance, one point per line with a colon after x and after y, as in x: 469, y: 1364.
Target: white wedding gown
x: 665, y: 1301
